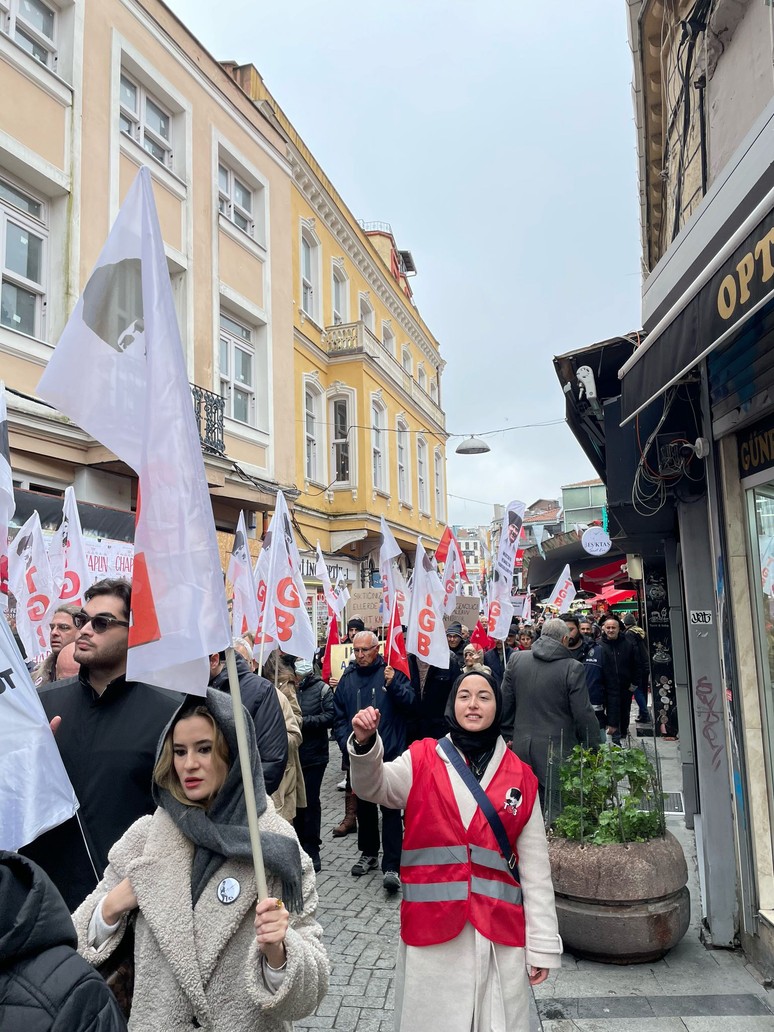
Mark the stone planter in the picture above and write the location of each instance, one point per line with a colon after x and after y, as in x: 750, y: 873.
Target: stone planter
x: 621, y: 904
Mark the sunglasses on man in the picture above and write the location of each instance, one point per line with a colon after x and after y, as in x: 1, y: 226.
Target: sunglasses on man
x: 99, y: 623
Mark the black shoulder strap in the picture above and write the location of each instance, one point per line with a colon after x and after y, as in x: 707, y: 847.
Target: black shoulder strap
x: 485, y: 804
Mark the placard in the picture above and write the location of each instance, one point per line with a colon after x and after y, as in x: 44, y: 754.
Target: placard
x: 340, y: 657
x: 367, y: 604
x: 465, y: 612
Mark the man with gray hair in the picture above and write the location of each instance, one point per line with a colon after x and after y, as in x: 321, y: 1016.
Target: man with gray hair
x: 546, y: 708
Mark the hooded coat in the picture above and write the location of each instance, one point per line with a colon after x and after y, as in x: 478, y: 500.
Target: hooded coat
x: 546, y: 707
x: 199, y: 965
x: 44, y: 985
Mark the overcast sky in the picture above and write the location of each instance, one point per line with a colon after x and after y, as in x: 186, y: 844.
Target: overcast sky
x: 497, y: 139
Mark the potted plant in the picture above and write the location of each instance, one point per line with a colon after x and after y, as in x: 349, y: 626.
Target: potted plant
x: 619, y: 875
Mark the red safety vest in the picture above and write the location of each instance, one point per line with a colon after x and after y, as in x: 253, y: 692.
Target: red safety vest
x: 451, y: 874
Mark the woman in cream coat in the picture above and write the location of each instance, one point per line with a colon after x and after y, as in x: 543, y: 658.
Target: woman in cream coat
x: 460, y: 980
x: 206, y: 956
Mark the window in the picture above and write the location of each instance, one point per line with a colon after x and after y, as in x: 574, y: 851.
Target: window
x: 237, y: 369
x: 235, y: 200
x: 422, y: 377
x: 438, y: 484
x: 144, y: 119
x: 367, y: 313
x: 388, y: 339
x: 404, y: 480
x: 310, y: 251
x: 405, y: 358
x: 340, y: 300
x: 422, y: 497
x: 22, y: 254
x: 340, y: 442
x: 378, y: 446
x: 434, y: 391
x: 313, y: 451
x: 32, y: 24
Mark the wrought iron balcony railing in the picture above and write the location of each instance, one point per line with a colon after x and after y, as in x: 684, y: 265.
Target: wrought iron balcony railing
x: 208, y: 409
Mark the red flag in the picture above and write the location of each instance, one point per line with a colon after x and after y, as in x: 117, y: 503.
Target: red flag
x: 333, y: 639
x: 395, y: 647
x: 480, y: 638
x: 449, y: 543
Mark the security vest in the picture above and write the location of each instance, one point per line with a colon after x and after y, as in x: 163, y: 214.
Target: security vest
x: 451, y: 874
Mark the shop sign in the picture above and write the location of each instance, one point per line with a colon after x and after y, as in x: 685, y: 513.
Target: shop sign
x: 596, y: 541
x: 756, y: 447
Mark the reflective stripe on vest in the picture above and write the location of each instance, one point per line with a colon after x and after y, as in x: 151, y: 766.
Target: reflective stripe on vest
x: 443, y: 892
x: 489, y: 858
x: 432, y: 855
x: 496, y: 890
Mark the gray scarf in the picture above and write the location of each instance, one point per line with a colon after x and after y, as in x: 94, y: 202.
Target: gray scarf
x: 222, y: 831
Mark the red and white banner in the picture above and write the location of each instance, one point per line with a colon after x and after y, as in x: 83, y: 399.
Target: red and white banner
x: 389, y: 549
x: 402, y: 594
x: 7, y: 501
x: 448, y: 543
x: 394, y: 646
x: 32, y: 586
x: 334, y: 638
x: 426, y: 634
x: 119, y: 372
x: 449, y: 581
x: 564, y: 591
x: 284, y: 621
x: 244, y: 606
x: 67, y: 555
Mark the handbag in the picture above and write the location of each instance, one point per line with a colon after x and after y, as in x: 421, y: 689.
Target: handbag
x: 118, y: 969
x: 485, y: 804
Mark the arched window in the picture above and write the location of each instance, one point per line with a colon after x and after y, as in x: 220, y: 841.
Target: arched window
x: 404, y: 463
x: 314, y: 437
x: 423, y: 499
x: 366, y: 313
x: 340, y: 295
x: 310, y: 274
x: 379, y: 445
x: 438, y: 484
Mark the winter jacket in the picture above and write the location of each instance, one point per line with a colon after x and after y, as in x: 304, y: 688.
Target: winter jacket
x: 316, y: 701
x: 636, y: 636
x: 494, y: 660
x: 621, y: 664
x: 603, y: 697
x: 364, y: 686
x: 44, y: 985
x: 200, y: 967
x: 427, y: 719
x: 108, y: 746
x: 260, y: 700
x: 546, y: 708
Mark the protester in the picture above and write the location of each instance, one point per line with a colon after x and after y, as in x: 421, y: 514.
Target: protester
x: 371, y: 681
x: 431, y: 686
x: 354, y: 626
x: 497, y: 657
x: 546, y: 708
x: 621, y: 667
x: 63, y: 632
x: 206, y: 956
x: 107, y: 733
x: 44, y: 985
x: 260, y: 700
x: 316, y: 701
x: 481, y: 939
x: 635, y: 634
x: 577, y: 644
x: 526, y: 638
x: 473, y: 659
x: 65, y: 663
x: 454, y: 638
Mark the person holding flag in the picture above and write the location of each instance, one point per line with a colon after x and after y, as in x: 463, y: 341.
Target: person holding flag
x: 206, y: 953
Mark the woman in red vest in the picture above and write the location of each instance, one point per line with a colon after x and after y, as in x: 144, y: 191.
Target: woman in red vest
x: 478, y: 923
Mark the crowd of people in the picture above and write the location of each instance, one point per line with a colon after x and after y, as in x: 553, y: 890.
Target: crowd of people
x: 447, y: 779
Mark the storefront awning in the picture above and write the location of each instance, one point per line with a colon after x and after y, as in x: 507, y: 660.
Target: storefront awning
x: 729, y: 291
x: 594, y: 580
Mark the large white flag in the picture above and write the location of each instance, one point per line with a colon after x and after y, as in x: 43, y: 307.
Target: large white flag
x: 244, y: 607
x: 7, y: 500
x: 500, y: 606
x: 426, y: 634
x: 284, y: 620
x: 35, y: 792
x: 402, y: 594
x: 334, y: 599
x: 449, y: 579
x: 67, y: 555
x: 119, y: 372
x: 29, y: 576
x: 389, y: 549
x: 564, y: 591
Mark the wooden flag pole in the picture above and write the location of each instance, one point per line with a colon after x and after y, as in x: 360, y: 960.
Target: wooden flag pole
x: 247, y: 774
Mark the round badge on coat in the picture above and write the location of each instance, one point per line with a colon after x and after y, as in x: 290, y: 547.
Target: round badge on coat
x: 229, y: 890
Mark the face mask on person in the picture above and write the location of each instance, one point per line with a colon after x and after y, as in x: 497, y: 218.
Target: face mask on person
x: 303, y: 667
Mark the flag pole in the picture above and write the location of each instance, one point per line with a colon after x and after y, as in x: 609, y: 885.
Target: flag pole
x: 389, y: 625
x: 247, y: 774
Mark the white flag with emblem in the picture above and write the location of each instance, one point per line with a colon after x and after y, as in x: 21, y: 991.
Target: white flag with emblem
x: 564, y: 591
x: 67, y: 555
x: 426, y: 634
x: 31, y: 583
x: 244, y: 606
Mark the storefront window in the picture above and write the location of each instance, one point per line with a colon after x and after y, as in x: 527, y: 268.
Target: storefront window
x: 760, y: 502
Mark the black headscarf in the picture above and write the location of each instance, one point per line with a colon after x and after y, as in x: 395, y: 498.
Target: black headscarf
x: 221, y: 831
x: 476, y: 746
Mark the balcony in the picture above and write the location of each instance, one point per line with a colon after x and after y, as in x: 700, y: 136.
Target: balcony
x: 208, y: 410
x: 352, y: 339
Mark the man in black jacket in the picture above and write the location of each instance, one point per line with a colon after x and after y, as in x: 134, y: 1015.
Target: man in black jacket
x: 431, y: 686
x: 107, y: 730
x: 621, y: 668
x: 315, y: 698
x: 260, y: 700
x: 44, y: 984
x: 370, y: 682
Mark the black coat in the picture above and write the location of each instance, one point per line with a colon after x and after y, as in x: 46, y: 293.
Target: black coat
x: 428, y: 719
x: 364, y: 686
x: 621, y: 665
x: 315, y: 698
x: 494, y: 660
x: 108, y: 746
x: 45, y: 986
x: 260, y: 700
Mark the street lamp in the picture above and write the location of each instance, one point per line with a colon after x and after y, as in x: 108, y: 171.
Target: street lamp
x: 472, y: 446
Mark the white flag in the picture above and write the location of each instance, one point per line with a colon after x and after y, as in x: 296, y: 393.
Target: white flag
x: 342, y: 592
x: 119, y: 372
x: 402, y: 594
x: 509, y: 539
x: 29, y: 576
x: 426, y: 634
x: 261, y: 646
x: 449, y: 581
x: 67, y: 555
x: 35, y: 792
x: 564, y: 591
x: 500, y: 607
x: 7, y: 500
x: 244, y: 607
x: 335, y: 600
x: 526, y: 613
x: 389, y: 549
x: 284, y: 619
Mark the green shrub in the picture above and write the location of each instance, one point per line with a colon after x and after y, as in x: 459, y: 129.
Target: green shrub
x: 596, y: 810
